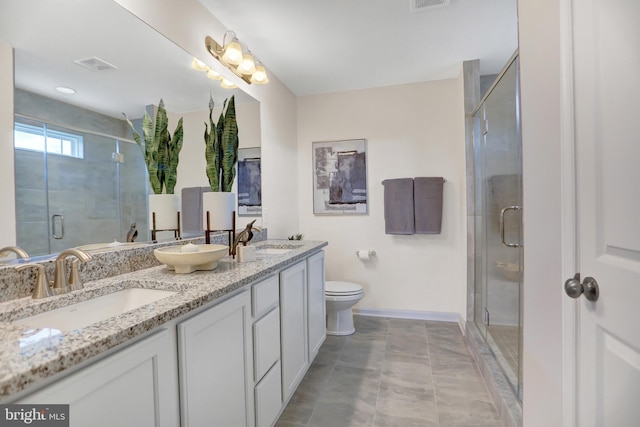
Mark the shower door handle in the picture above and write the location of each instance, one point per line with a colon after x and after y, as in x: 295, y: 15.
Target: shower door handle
x: 502, y: 212
x: 53, y: 226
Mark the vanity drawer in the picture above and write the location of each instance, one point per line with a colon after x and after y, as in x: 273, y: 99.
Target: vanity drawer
x: 266, y: 343
x: 264, y: 295
x: 268, y: 397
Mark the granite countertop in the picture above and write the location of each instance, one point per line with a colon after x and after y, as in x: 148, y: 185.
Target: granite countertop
x: 29, y: 356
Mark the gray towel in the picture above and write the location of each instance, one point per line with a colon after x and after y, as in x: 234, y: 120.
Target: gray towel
x: 192, y: 209
x: 398, y: 206
x: 427, y: 197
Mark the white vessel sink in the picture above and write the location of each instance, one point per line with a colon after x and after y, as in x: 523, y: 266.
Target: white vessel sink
x: 196, y: 257
x: 94, y: 310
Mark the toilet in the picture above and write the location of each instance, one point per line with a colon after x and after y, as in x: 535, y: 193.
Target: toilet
x: 340, y: 297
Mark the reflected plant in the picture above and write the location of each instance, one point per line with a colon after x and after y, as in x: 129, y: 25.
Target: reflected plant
x: 221, y: 146
x: 161, y: 152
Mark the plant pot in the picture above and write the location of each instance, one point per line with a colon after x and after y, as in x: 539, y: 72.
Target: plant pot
x: 166, y: 208
x: 220, y: 206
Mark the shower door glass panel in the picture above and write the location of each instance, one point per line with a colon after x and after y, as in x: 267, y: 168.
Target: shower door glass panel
x: 75, y: 187
x: 503, y: 214
x: 498, y: 219
x: 83, y: 194
x: 132, y: 174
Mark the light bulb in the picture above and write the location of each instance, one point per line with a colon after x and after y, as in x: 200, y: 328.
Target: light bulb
x: 196, y: 64
x: 232, y: 53
x: 247, y: 66
x: 214, y: 75
x: 260, y: 76
x: 227, y: 84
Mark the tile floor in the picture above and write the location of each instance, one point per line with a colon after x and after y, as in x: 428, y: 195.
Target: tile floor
x: 393, y: 372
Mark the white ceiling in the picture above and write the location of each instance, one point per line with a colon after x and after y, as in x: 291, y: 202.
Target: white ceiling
x: 336, y: 45
x: 313, y: 47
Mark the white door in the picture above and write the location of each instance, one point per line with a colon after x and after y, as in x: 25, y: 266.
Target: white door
x: 606, y: 77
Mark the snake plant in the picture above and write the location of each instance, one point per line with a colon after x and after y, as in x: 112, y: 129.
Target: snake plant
x: 221, y: 146
x: 160, y: 151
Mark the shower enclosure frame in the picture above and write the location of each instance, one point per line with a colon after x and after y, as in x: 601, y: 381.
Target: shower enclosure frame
x: 505, y: 389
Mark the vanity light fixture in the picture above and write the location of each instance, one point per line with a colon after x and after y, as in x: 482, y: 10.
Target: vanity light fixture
x: 242, y: 63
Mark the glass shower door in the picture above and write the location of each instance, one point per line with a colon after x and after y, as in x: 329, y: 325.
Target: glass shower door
x: 75, y: 188
x: 83, y: 193
x: 499, y: 223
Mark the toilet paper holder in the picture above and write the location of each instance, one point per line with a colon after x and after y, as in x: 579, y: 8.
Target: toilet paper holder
x: 364, y: 253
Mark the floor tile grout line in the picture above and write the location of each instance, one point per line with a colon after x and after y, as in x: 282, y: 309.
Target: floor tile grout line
x: 386, y: 342
x: 433, y: 380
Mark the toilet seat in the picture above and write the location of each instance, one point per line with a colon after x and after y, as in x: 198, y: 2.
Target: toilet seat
x: 342, y: 289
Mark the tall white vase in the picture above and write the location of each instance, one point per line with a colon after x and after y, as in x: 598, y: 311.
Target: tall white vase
x: 166, y: 208
x: 220, y: 205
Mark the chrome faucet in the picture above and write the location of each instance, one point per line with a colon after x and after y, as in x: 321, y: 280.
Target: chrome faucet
x: 244, y: 236
x: 21, y: 253
x: 42, y: 288
x: 60, y: 283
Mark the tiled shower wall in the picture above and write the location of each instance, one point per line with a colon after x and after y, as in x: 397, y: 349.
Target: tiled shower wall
x: 98, y: 198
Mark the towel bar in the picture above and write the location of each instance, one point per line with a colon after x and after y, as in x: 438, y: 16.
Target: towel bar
x: 382, y: 182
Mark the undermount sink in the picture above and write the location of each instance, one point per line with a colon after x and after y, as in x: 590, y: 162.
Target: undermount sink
x: 94, y: 310
x: 273, y: 251
x: 276, y: 248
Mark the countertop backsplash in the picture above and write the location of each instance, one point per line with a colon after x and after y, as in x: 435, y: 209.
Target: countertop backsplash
x: 105, y: 264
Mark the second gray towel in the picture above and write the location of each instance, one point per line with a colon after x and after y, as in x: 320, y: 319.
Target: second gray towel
x: 398, y: 206
x: 428, y: 204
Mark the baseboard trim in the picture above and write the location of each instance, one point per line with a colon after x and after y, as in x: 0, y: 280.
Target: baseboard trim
x: 436, y: 316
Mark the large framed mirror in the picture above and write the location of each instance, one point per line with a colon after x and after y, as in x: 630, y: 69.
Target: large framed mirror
x: 80, y: 178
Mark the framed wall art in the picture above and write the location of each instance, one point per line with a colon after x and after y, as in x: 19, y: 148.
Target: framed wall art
x: 340, y: 177
x: 249, y: 182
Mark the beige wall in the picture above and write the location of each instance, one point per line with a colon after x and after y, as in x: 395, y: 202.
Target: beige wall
x: 541, y: 153
x: 7, y: 190
x: 411, y: 130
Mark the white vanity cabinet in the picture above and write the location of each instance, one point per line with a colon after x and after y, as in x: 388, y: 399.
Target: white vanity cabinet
x: 266, y: 351
x: 137, y: 386
x: 293, y: 321
x: 232, y: 363
x: 316, y: 304
x: 216, y: 365
x: 302, y: 318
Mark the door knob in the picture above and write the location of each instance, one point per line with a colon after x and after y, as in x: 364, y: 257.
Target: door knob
x: 589, y: 287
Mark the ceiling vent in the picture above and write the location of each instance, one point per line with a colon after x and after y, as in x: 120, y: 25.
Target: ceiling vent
x: 95, y: 64
x: 418, y: 5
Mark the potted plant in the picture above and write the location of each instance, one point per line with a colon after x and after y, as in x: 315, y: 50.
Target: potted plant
x: 221, y: 152
x: 161, y: 153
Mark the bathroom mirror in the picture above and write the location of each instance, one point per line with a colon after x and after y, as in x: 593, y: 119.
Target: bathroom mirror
x: 116, y: 64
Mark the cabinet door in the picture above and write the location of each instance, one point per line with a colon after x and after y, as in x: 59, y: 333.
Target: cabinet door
x: 269, y: 397
x: 137, y: 386
x: 266, y: 343
x: 316, y: 305
x: 293, y: 324
x: 215, y: 354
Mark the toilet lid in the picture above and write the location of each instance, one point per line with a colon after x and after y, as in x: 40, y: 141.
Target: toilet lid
x: 342, y: 288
